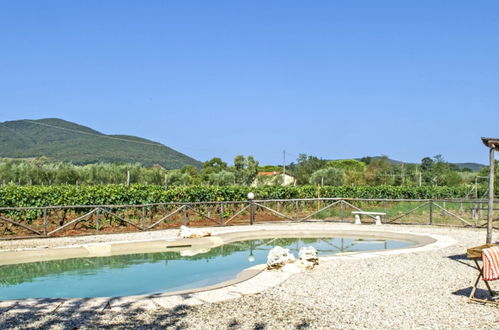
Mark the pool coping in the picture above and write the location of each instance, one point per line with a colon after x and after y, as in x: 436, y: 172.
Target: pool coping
x: 251, y: 280
x: 180, y: 244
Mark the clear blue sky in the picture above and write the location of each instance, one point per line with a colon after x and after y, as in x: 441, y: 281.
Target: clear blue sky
x: 336, y: 79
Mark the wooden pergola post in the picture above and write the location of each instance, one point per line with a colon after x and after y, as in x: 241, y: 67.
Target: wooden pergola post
x: 493, y: 144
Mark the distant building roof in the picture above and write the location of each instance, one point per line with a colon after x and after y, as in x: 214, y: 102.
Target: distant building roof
x: 268, y: 173
x: 158, y: 166
x: 272, y: 173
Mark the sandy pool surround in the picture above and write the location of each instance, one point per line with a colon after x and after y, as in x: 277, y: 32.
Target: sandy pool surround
x: 249, y: 281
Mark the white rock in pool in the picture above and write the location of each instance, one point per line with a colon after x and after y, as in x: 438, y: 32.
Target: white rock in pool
x: 309, y: 253
x: 278, y: 257
x: 191, y: 252
x: 186, y: 232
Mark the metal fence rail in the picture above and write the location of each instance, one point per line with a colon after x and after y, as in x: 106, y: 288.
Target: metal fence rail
x: 49, y: 221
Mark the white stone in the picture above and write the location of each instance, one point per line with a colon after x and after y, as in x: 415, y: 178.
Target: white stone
x: 291, y: 268
x: 378, y: 220
x: 309, y: 254
x: 278, y: 257
x: 186, y: 232
x: 192, y: 252
x: 304, y: 264
x: 357, y: 220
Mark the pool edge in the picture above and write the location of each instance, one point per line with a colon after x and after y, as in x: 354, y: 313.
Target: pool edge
x: 250, y: 280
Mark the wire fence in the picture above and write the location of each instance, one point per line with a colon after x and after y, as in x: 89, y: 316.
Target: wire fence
x: 53, y: 221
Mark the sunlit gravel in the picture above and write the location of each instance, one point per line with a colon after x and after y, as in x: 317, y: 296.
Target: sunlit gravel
x: 422, y: 290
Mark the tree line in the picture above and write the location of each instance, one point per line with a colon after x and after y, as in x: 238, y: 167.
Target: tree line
x: 41, y: 171
x: 307, y: 170
x: 432, y: 171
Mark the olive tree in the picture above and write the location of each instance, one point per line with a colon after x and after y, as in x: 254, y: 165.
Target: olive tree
x: 328, y: 176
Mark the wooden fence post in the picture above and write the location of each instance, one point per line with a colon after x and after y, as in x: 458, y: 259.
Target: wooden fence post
x: 143, y: 218
x: 97, y: 224
x: 222, y: 214
x: 44, y: 222
x: 431, y: 211
x: 186, y: 215
x: 252, y: 212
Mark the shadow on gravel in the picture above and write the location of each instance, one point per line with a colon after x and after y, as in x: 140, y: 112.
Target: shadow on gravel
x: 459, y: 258
x: 234, y: 324
x: 303, y: 325
x: 27, y: 316
x: 480, y: 293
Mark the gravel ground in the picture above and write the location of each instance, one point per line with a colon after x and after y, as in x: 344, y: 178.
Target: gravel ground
x: 11, y: 245
x: 422, y: 290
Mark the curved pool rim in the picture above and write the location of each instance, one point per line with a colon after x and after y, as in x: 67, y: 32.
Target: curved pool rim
x: 417, y: 240
x: 151, y: 246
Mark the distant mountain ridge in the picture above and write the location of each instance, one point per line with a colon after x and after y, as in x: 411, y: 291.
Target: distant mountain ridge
x: 61, y: 140
x: 475, y: 167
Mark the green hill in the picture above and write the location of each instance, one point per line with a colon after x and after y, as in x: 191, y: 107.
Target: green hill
x: 60, y: 140
x: 474, y: 167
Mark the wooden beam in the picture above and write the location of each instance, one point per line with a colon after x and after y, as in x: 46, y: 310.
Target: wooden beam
x: 490, y: 215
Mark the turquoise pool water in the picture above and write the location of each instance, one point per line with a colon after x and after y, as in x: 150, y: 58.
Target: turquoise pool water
x: 137, y: 274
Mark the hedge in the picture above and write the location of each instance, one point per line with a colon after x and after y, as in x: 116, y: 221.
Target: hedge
x: 68, y: 195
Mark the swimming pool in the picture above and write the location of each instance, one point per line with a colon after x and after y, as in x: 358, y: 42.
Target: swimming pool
x: 148, y: 273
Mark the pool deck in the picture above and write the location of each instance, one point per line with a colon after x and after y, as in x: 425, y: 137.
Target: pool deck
x: 422, y: 287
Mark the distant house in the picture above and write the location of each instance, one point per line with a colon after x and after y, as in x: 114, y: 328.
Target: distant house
x: 158, y: 166
x: 273, y: 178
